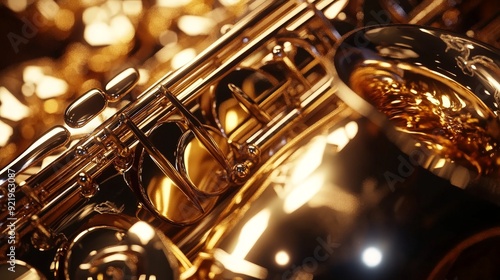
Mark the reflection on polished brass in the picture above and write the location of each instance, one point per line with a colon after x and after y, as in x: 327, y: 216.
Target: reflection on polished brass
x: 113, y: 253
x: 192, y: 150
x: 249, y: 104
x: 164, y: 165
x: 280, y: 151
x: 449, y: 120
x: 52, y: 140
x: 315, y: 214
x: 85, y: 108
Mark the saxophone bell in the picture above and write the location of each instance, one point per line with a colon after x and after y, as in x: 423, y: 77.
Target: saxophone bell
x: 336, y: 201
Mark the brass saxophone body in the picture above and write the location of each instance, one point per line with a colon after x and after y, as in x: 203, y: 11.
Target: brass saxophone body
x: 282, y: 151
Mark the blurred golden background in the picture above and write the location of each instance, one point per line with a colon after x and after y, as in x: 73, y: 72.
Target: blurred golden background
x: 54, y: 51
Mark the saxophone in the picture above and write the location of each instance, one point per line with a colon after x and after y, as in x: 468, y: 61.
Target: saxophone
x: 284, y: 150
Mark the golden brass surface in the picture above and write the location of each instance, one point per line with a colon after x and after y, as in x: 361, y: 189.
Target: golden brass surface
x: 231, y: 139
x: 450, y: 120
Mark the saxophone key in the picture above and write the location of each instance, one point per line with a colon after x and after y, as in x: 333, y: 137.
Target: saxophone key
x: 52, y: 140
x: 165, y: 166
x: 121, y: 84
x: 198, y: 129
x: 249, y: 104
x: 84, y: 109
x: 87, y: 187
